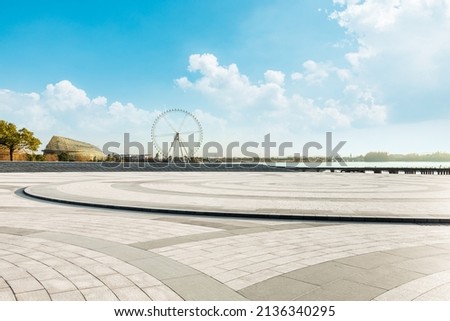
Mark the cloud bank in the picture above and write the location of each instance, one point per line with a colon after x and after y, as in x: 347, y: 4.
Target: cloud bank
x: 228, y: 88
x: 63, y: 109
x: 402, y: 50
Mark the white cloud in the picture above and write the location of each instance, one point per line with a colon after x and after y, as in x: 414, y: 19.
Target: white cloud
x: 129, y: 113
x: 228, y: 86
x: 315, y: 72
x: 411, y: 38
x: 274, y: 76
x: 378, y: 15
x: 364, y: 52
x: 214, y: 128
x: 296, y: 76
x: 374, y: 113
x: 223, y: 81
x: 64, y: 95
x: 26, y: 109
x: 269, y: 101
x: 183, y: 83
x: 402, y: 56
x: 334, y: 114
x: 63, y: 109
x: 208, y: 119
x: 343, y: 74
x: 100, y: 101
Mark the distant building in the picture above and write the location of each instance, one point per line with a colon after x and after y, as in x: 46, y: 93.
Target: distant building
x: 72, y: 150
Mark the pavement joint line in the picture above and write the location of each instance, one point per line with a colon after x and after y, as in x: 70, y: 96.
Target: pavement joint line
x: 422, y: 248
x: 218, y: 225
x: 16, y: 293
x: 167, y: 272
x: 147, y: 245
x: 436, y: 279
x: 17, y: 231
x: 138, y: 188
x: 293, y: 217
x: 40, y: 235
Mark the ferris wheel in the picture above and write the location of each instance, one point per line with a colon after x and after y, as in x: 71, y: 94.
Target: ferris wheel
x: 177, y: 135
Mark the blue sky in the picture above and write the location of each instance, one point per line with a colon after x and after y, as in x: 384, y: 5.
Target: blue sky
x: 375, y: 73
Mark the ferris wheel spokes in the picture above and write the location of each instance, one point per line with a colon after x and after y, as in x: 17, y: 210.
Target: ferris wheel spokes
x: 177, y: 145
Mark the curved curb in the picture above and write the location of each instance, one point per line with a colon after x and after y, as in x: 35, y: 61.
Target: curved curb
x: 299, y: 217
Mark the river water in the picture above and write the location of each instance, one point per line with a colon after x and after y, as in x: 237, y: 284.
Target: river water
x: 375, y: 164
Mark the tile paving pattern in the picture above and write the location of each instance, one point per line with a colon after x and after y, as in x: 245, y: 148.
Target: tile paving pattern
x: 353, y: 195
x: 50, y: 251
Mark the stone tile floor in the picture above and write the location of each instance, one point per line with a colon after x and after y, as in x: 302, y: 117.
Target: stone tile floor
x: 50, y: 251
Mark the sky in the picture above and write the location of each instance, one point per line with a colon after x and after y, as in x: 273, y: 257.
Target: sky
x: 375, y: 73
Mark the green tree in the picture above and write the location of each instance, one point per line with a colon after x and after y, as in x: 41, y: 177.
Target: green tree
x: 376, y: 157
x: 35, y: 157
x: 14, y: 139
x: 63, y: 157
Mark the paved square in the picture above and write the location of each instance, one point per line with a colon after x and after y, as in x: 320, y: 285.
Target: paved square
x: 56, y: 251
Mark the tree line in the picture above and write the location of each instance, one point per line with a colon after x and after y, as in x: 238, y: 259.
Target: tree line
x: 412, y: 157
